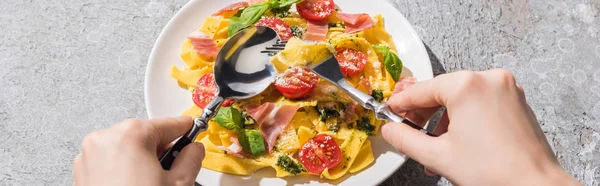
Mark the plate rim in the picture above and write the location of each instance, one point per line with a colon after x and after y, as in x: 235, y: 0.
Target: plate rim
x: 171, y: 24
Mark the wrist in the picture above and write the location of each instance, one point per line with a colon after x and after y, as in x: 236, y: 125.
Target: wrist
x: 553, y: 175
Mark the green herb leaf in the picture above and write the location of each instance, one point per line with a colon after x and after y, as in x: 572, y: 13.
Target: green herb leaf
x: 249, y: 16
x: 364, y: 124
x: 378, y: 95
x: 326, y: 113
x: 256, y: 142
x: 243, y: 139
x: 229, y: 118
x: 297, y: 31
x: 282, y: 12
x: 287, y: 164
x: 248, y: 120
x: 282, y: 3
x: 392, y: 62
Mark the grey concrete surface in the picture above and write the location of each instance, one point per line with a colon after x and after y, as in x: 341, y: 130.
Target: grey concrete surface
x: 70, y: 67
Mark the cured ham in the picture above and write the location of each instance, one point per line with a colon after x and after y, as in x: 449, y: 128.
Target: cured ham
x: 203, y: 44
x: 349, y: 113
x: 235, y: 149
x: 350, y: 18
x: 356, y: 22
x: 232, y: 8
x: 316, y: 31
x: 404, y: 83
x: 272, y: 119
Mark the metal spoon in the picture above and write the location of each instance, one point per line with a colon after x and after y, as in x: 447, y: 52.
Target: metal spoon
x: 241, y: 71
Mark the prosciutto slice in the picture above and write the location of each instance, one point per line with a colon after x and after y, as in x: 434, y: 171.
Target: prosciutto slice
x: 350, y: 18
x: 316, y: 31
x: 356, y: 22
x: 232, y: 8
x: 203, y: 44
x: 272, y: 119
x: 235, y: 149
x: 404, y: 83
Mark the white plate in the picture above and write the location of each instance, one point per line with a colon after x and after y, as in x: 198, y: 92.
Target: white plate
x: 164, y: 98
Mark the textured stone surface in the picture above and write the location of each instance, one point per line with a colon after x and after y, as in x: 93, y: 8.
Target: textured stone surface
x: 70, y: 67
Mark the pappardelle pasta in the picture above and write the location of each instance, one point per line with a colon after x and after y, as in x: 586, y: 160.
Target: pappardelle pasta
x: 301, y: 124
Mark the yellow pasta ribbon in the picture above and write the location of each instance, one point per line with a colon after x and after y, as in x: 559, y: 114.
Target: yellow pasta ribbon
x: 305, y: 134
x: 378, y: 34
x: 350, y: 149
x: 271, y: 160
x: 188, y: 77
x: 363, y: 159
x: 194, y: 111
x: 295, y: 21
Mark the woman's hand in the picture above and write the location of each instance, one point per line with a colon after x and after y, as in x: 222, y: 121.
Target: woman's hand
x: 127, y: 154
x: 488, y: 136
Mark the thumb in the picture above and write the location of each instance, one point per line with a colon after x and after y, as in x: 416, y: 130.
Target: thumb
x: 187, y: 165
x: 413, y: 143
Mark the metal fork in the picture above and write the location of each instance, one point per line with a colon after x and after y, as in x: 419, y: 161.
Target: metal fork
x: 329, y: 69
x: 274, y: 49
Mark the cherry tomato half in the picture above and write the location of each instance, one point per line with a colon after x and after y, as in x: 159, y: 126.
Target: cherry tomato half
x: 351, y: 61
x: 296, y: 82
x: 319, y: 153
x: 283, y: 29
x: 315, y: 10
x: 206, y: 91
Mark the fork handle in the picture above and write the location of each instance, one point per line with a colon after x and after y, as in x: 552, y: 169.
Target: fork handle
x: 384, y: 111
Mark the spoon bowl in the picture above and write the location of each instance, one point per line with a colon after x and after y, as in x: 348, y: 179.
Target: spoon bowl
x: 241, y: 71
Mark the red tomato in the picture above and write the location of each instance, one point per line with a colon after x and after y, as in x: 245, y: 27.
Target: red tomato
x: 296, y: 82
x: 315, y: 10
x: 320, y: 153
x: 283, y: 29
x: 206, y: 91
x: 228, y: 102
x: 351, y: 61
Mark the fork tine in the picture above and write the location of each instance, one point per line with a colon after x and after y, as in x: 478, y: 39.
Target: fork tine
x: 281, y: 42
x: 270, y: 53
x: 274, y: 48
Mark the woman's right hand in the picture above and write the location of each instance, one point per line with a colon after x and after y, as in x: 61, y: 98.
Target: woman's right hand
x: 488, y: 136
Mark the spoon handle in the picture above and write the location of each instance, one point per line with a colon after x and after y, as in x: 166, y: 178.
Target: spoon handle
x: 169, y: 157
x: 200, y: 125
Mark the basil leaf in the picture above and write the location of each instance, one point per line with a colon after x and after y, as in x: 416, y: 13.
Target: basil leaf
x: 243, y: 139
x: 392, y: 62
x: 283, y: 3
x: 249, y: 16
x: 256, y: 142
x: 229, y: 118
x: 252, y: 141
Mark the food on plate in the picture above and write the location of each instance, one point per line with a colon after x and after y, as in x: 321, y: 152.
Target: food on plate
x: 301, y: 125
